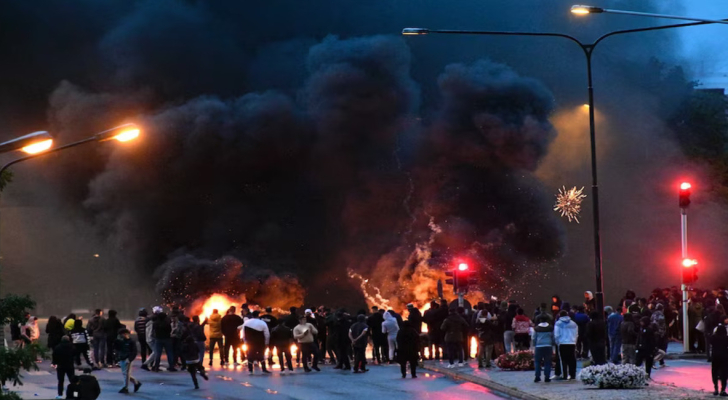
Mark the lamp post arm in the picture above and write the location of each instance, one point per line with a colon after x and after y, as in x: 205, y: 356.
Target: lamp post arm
x: 654, y: 28
x: 506, y: 33
x: 642, y: 14
x: 56, y: 149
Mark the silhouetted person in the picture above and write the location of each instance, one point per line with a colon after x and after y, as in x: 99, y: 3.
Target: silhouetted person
x: 63, y: 356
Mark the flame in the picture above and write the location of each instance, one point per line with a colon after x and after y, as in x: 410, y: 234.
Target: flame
x: 218, y: 302
x: 473, y: 347
x: 294, y: 350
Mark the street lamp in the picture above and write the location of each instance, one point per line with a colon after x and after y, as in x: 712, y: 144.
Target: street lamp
x: 121, y: 133
x: 584, y: 10
x: 588, y: 49
x: 31, y: 143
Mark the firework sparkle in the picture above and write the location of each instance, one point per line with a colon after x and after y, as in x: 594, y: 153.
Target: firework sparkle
x: 568, y: 202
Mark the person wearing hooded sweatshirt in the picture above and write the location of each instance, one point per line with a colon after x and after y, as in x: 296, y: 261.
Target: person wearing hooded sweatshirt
x: 63, y: 356
x: 565, y: 335
x: 614, y: 321
x: 256, y: 336
x: 54, y: 329
x: 390, y: 328
x: 79, y: 336
x: 95, y: 328
x: 126, y: 350
x: 719, y: 363
x: 596, y: 332
x: 582, y: 343
x: 215, y: 326
x: 358, y: 334
x: 628, y: 334
x: 660, y: 323
x: 149, y: 335
x: 455, y: 328
x: 589, y: 302
x: 486, y: 325
x: 521, y: 327
x: 408, y: 346
x: 646, y: 345
x: 543, y: 344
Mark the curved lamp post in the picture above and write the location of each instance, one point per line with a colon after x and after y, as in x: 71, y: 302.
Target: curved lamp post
x: 584, y: 10
x: 588, y: 49
x: 38, y: 144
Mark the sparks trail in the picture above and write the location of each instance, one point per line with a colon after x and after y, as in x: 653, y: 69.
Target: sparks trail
x: 568, y: 202
x: 373, y: 300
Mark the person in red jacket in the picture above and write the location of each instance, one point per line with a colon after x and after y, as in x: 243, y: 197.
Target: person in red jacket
x: 522, y: 326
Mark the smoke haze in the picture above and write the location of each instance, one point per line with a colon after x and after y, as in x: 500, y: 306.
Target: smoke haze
x: 287, y: 145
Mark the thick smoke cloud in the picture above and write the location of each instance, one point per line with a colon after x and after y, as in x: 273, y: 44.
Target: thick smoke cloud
x: 302, y: 154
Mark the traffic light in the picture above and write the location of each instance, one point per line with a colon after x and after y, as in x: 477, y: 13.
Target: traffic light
x: 684, y: 194
x: 453, y: 281
x: 465, y: 278
x: 689, y: 271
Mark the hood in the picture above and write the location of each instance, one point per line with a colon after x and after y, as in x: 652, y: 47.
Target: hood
x: 522, y: 318
x: 388, y: 316
x: 589, y: 295
x: 565, y: 319
x: 566, y: 306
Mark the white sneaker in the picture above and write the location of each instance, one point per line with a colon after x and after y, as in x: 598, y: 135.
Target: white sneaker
x: 450, y: 366
x: 283, y: 372
x: 461, y: 364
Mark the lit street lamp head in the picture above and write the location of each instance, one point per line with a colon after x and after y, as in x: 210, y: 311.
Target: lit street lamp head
x: 415, y: 31
x: 122, y: 133
x: 581, y: 10
x: 31, y: 143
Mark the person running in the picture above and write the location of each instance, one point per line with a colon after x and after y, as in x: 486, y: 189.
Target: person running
x: 408, y: 346
x: 359, y: 334
x: 281, y: 338
x: 191, y: 356
x: 454, y: 327
x: 304, y: 334
x: 63, y: 362
x: 229, y: 325
x: 140, y: 326
x: 565, y: 334
x: 80, y: 343
x: 719, y: 363
x: 197, y: 332
x: 543, y: 343
x: 95, y: 328
x: 54, y: 330
x: 256, y: 337
x: 390, y: 328
x: 628, y: 332
x: 215, y: 330
x: 126, y: 350
x: 646, y: 345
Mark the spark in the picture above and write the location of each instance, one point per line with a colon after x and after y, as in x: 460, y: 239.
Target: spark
x: 568, y: 202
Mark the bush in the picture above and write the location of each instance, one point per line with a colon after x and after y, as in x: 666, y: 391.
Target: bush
x: 518, y: 361
x: 10, y: 396
x: 611, y: 376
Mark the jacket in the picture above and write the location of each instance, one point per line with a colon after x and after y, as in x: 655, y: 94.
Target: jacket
x: 415, y: 318
x: 658, y: 318
x: 215, y: 326
x: 356, y: 330
x: 162, y: 327
x: 125, y: 349
x: 719, y: 348
x: 596, y: 332
x: 269, y: 320
x: 197, y: 331
x: 565, y: 331
x: 487, y: 329
x: 521, y: 324
x: 79, y: 336
x: 140, y: 326
x: 614, y: 321
x: 390, y: 326
x: 408, y: 344
x: 646, y: 341
x: 375, y: 324
x: 304, y: 333
x: 88, y: 387
x: 190, y: 351
x: 455, y: 328
x: 433, y: 323
x: 55, y: 332
x: 229, y: 325
x: 95, y: 327
x: 63, y: 355
x: 112, y: 326
x: 255, y: 333
x: 543, y: 335
x: 281, y: 337
x: 149, y: 329
x: 628, y: 332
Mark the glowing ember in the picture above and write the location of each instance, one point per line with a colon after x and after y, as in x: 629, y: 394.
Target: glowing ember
x: 568, y: 202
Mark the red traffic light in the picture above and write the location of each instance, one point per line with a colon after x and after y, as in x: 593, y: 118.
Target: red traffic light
x: 684, y: 195
x: 685, y: 186
x: 688, y: 263
x: 463, y: 267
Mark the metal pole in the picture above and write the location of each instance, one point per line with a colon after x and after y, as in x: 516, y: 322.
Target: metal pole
x: 461, y: 300
x: 599, y: 295
x: 684, y: 240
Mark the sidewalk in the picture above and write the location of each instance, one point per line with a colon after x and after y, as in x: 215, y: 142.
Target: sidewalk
x: 520, y: 385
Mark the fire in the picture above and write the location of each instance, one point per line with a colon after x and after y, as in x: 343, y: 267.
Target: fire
x: 473, y: 347
x: 218, y: 302
x: 294, y: 350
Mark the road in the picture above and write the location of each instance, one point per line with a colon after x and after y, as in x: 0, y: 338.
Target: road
x: 690, y: 374
x: 381, y: 382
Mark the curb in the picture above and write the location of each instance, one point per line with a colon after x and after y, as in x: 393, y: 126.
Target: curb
x: 497, y: 387
x: 684, y: 356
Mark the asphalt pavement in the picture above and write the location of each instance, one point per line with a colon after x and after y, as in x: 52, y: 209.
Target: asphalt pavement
x: 381, y: 382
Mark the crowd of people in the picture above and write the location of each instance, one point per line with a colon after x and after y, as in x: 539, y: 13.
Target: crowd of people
x: 635, y: 331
